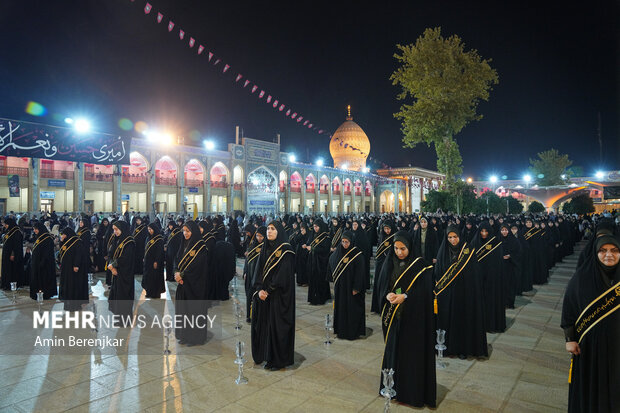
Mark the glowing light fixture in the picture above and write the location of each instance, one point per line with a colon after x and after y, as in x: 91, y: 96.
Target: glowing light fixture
x: 319, y: 162
x: 209, y: 145
x: 69, y: 121
x: 470, y: 180
x: 366, y: 170
x: 527, y: 178
x: 292, y: 158
x: 82, y: 125
x: 493, y: 178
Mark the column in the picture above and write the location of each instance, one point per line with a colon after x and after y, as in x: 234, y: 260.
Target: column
x: 150, y: 194
x: 287, y: 184
x: 181, y: 190
x: 78, y: 185
x: 33, y: 175
x: 341, y: 207
x: 409, y: 209
x: 116, y: 189
x: 363, y: 208
x: 330, y: 204
x: 205, y: 198
x: 317, y: 197
x: 396, y: 209
x: 302, y: 193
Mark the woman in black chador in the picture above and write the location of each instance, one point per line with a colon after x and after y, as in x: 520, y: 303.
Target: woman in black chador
x: 102, y: 250
x: 425, y: 242
x: 73, y: 274
x: 511, y: 257
x: 171, y: 248
x: 120, y: 263
x: 12, y: 255
x: 318, y: 287
x: 140, y: 235
x: 347, y: 270
x: 302, y: 267
x: 408, y: 323
x: 208, y: 236
x: 251, y: 259
x: 153, y: 275
x: 190, y: 274
x: 234, y: 237
x: 458, y: 292
x: 386, y: 241
x: 43, y: 268
x: 490, y: 271
x: 361, y: 242
x: 591, y: 323
x: 109, y: 245
x: 273, y: 304
x: 85, y: 235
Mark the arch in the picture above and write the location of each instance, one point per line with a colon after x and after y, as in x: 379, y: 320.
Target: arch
x: 262, y: 193
x: 295, y: 182
x: 238, y: 174
x: 347, y: 184
x: 368, y: 188
x: 336, y: 186
x: 166, y: 171
x: 219, y: 175
x: 401, y: 201
x: 194, y: 173
x: 282, y: 183
x: 386, y: 201
x: 358, y: 187
x: 310, y: 183
x: 324, y: 184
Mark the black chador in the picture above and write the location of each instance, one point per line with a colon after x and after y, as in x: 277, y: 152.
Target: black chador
x: 191, y: 290
x: 362, y: 242
x: 140, y: 235
x: 591, y: 321
x: 43, y: 267
x: 101, y: 251
x: 335, y: 232
x: 109, y: 243
x: 85, y: 235
x: 273, y: 303
x: 318, y: 287
x: 425, y: 242
x: 153, y: 275
x: 409, y: 326
x: 171, y: 248
x: 386, y: 243
x: 73, y: 275
x: 537, y: 260
x: 347, y: 269
x: 225, y: 268
x: 208, y: 236
x: 458, y: 292
x: 12, y: 255
x: 251, y: 259
x: 511, y: 261
x: 302, y: 266
x: 121, y: 263
x: 489, y: 257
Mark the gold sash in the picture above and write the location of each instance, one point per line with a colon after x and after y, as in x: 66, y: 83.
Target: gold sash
x: 337, y: 237
x: 40, y: 240
x: 191, y: 255
x: 254, y: 253
x: 319, y: 238
x: 344, y: 263
x: 172, y: 234
x: 9, y: 234
x: 139, y: 229
x: 119, y: 249
x: 67, y: 246
x: 274, y: 258
x: 486, y: 249
x: 452, y: 272
x: 530, y: 233
x: 600, y: 308
x: 152, y: 242
x: 383, y: 248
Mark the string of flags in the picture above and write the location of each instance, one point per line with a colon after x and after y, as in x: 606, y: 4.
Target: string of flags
x: 215, y: 60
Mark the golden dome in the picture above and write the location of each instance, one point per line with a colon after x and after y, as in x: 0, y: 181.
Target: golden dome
x: 349, y: 146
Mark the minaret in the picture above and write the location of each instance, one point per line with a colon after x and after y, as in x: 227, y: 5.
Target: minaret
x: 349, y: 117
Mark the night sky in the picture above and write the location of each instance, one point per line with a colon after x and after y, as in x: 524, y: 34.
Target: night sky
x: 558, y: 66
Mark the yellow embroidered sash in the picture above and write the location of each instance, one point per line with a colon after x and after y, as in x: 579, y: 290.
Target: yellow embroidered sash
x: 384, y: 247
x: 452, y: 272
x: 344, y: 262
x: 67, y: 246
x: 191, y: 255
x: 486, y: 249
x: 275, y: 258
x: 40, y: 239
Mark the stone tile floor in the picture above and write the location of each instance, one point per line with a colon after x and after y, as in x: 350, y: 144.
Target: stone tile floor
x: 526, y: 372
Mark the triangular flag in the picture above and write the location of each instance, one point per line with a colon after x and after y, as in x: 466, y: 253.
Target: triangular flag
x: 282, y: 108
x: 288, y: 112
x: 239, y: 76
x: 246, y: 83
x: 210, y: 56
x: 294, y: 115
x: 275, y: 103
x: 181, y: 34
x: 170, y: 25
x: 261, y: 94
x: 216, y: 62
x: 201, y: 48
x: 226, y: 67
x: 320, y: 131
x: 192, y: 41
x: 299, y: 118
x: 159, y: 17
x: 269, y: 99
x: 147, y: 8
x: 305, y: 123
x: 254, y: 88
x: 309, y: 126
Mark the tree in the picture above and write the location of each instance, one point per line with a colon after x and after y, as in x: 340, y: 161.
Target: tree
x: 536, y: 207
x: 549, y: 168
x: 580, y: 205
x: 491, y: 202
x: 438, y: 200
x: 446, y: 84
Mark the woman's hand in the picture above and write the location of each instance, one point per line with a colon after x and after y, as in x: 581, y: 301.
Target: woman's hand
x: 395, y: 298
x: 262, y: 294
x: 155, y: 265
x: 113, y: 271
x: 178, y: 278
x: 506, y: 256
x: 76, y: 269
x: 355, y: 292
x: 573, y: 348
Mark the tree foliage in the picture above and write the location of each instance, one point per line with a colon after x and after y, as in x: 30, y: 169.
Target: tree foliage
x: 580, y: 205
x: 446, y: 84
x: 536, y: 207
x: 438, y: 200
x: 548, y: 169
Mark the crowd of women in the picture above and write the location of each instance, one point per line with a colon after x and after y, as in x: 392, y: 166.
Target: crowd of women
x: 439, y: 271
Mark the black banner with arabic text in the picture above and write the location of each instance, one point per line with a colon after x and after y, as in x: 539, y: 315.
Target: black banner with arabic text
x: 25, y: 139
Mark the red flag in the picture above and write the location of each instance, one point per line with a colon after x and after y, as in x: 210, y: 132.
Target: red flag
x: 216, y: 62
x: 282, y: 108
x: 288, y: 112
x: 261, y: 94
x: 201, y: 48
x: 159, y: 17
x: 254, y: 88
x: 239, y: 76
x: 210, y: 56
x: 306, y: 122
x: 181, y: 34
x: 299, y: 118
x: 294, y: 115
x: 170, y: 25
x: 246, y: 83
x: 320, y: 131
x: 192, y: 41
x: 309, y: 126
x: 269, y: 99
x: 147, y: 8
x: 275, y: 103
x: 226, y: 67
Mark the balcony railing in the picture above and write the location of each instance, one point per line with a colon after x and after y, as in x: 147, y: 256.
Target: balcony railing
x: 12, y: 170
x: 218, y: 184
x: 324, y: 191
x: 51, y: 173
x: 282, y: 188
x: 133, y: 179
x: 309, y: 190
x: 295, y: 189
x: 368, y: 193
x: 98, y: 177
x: 347, y: 192
x: 159, y: 180
x: 193, y: 183
x: 238, y: 187
x: 358, y: 192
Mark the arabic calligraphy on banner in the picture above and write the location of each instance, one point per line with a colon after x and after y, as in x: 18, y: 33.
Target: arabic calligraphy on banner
x: 31, y: 140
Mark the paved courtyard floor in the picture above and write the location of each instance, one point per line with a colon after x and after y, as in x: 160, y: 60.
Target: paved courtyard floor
x: 526, y: 372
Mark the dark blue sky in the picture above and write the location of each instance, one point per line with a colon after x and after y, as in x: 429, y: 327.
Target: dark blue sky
x: 557, y: 63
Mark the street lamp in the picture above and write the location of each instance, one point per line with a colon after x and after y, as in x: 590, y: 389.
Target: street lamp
x: 292, y: 158
x: 599, y: 175
x: 81, y: 125
x: 319, y: 162
x: 209, y: 145
x: 527, y: 178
